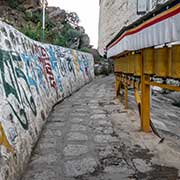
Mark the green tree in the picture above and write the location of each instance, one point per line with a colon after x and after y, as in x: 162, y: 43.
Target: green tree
x: 33, y: 32
x: 72, y: 18
x: 12, y: 3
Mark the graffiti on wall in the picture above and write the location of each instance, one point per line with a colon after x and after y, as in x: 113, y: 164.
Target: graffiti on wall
x: 33, y: 77
x: 16, y: 85
x: 4, y: 140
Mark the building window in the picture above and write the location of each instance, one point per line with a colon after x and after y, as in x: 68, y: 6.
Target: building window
x: 153, y: 4
x: 142, y: 6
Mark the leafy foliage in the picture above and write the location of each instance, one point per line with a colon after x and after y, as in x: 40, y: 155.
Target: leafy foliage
x: 36, y: 32
x: 61, y: 27
x: 72, y: 18
x: 72, y: 35
x: 34, y: 17
x: 60, y: 41
x: 66, y: 36
x: 33, y: 32
x: 12, y: 3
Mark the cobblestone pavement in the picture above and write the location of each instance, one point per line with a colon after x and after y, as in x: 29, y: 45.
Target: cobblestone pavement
x: 79, y: 142
x: 164, y: 115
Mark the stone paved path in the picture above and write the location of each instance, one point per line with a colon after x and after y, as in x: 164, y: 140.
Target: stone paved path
x: 77, y: 135
x: 79, y: 143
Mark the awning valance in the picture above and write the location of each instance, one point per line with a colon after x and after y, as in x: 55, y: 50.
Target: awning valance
x: 158, y: 27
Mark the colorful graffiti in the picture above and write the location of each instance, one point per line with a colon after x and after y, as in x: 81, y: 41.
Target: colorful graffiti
x: 33, y: 77
x: 4, y: 141
x: 12, y: 79
x: 76, y: 63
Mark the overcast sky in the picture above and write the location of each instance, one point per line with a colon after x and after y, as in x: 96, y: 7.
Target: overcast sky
x: 88, y: 12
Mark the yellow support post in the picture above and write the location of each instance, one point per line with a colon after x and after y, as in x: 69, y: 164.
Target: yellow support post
x: 126, y: 93
x: 150, y: 62
x: 118, y: 85
x: 145, y: 107
x: 145, y: 99
x: 136, y: 94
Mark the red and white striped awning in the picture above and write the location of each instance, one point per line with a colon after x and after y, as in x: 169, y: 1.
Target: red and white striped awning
x: 160, y: 29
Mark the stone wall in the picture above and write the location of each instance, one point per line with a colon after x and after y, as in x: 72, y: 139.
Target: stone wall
x: 114, y: 14
x: 33, y: 77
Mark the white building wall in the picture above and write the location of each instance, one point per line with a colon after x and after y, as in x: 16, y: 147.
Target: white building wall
x: 114, y: 14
